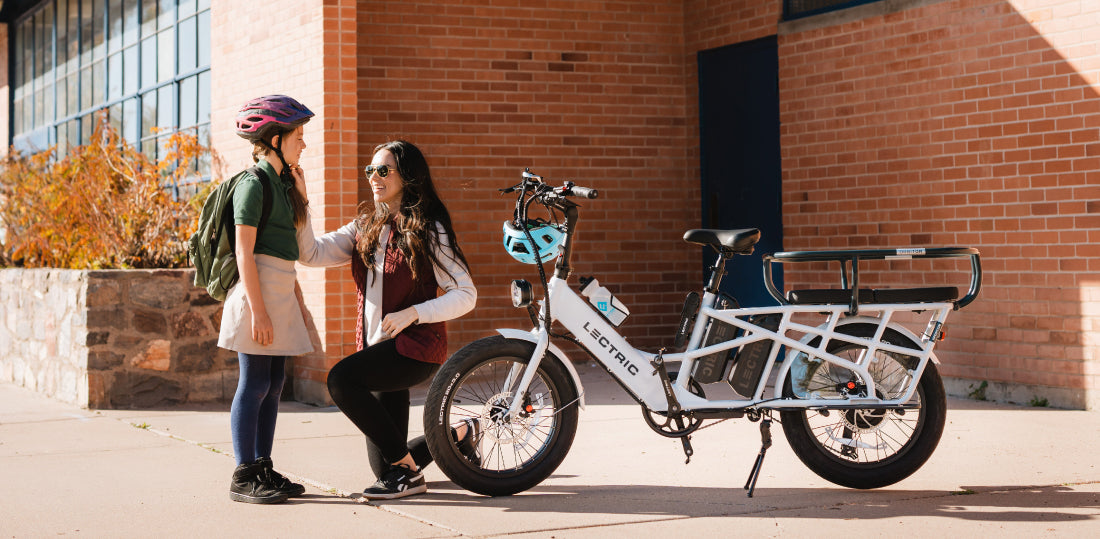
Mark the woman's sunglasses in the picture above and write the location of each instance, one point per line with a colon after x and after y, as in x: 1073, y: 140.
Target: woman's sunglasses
x: 382, y: 170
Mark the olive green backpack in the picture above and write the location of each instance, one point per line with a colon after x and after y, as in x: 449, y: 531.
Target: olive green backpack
x: 211, y: 247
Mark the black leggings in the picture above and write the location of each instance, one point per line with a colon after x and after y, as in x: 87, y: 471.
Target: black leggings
x: 371, y: 387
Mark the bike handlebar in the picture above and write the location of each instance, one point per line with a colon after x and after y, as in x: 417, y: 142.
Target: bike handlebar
x: 585, y: 192
x: 533, y: 183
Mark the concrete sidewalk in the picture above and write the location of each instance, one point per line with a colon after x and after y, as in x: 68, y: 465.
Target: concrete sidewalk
x: 1004, y: 470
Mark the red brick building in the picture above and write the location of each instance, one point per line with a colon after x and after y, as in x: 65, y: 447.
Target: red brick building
x: 900, y: 123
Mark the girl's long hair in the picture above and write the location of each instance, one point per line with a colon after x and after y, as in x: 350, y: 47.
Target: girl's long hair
x: 414, y: 221
x: 298, y: 202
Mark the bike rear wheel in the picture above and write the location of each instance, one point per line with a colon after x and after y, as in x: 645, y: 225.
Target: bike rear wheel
x: 868, y: 448
x: 513, y: 454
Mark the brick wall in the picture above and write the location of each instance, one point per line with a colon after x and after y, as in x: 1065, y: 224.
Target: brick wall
x: 971, y: 123
x: 589, y: 92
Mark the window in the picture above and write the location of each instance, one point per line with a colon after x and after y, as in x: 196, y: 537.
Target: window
x: 795, y: 9
x: 146, y: 61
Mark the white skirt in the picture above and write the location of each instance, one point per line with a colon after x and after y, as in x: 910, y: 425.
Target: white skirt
x: 277, y: 280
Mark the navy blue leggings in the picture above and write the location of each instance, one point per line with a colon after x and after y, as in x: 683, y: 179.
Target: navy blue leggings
x: 256, y: 405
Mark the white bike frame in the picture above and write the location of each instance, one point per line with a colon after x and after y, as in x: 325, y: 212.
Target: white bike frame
x: 633, y: 369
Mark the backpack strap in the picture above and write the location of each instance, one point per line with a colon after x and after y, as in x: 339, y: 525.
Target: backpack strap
x: 265, y: 211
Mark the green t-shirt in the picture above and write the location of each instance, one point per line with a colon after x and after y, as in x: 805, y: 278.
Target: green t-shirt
x: 278, y: 239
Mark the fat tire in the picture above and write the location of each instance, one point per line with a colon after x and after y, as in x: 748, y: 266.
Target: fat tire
x: 459, y: 373
x: 901, y: 463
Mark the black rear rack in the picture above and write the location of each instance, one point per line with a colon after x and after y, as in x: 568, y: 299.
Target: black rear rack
x: 852, y: 294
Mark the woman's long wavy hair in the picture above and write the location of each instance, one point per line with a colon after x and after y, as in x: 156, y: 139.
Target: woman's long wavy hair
x: 420, y: 208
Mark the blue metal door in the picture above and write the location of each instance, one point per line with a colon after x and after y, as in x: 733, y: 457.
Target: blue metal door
x: 739, y: 156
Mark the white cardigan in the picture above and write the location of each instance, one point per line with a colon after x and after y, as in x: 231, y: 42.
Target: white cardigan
x: 336, y: 248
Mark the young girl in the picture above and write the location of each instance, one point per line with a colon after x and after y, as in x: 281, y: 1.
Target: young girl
x: 401, y: 254
x: 261, y: 320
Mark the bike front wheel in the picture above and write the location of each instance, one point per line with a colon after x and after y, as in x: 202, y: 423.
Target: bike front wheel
x: 868, y: 448
x: 508, y: 454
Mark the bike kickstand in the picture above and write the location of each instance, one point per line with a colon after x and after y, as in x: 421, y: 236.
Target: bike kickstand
x: 765, y: 443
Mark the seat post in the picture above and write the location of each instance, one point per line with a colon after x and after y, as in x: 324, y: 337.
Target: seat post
x: 716, y: 273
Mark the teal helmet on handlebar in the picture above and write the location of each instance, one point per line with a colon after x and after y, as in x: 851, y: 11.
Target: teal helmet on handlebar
x: 548, y: 239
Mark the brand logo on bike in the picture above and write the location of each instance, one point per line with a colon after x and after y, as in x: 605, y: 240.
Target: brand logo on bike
x: 606, y: 344
x: 603, y: 306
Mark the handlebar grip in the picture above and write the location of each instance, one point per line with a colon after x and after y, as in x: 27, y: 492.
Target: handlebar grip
x: 586, y: 192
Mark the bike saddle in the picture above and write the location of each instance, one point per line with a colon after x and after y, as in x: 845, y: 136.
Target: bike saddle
x: 727, y: 241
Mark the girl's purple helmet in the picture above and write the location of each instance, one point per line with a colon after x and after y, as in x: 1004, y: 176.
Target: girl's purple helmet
x: 259, y: 117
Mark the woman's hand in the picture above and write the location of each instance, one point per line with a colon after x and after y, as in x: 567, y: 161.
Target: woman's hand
x: 395, y: 323
x: 262, y: 331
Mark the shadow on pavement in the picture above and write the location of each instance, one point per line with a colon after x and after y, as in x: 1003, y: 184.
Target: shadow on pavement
x: 988, y: 503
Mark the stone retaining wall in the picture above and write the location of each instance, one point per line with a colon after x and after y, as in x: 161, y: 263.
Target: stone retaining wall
x: 113, y: 338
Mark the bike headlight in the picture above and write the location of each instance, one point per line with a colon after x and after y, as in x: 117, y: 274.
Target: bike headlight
x: 521, y: 293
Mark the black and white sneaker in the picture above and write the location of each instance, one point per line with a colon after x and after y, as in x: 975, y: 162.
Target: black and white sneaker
x: 396, y: 482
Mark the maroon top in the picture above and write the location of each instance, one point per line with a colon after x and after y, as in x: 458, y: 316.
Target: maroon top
x: 422, y: 342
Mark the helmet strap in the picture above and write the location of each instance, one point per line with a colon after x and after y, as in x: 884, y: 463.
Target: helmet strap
x: 285, y: 174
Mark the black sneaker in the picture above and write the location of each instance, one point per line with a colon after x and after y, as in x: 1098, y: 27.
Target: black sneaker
x: 250, y: 486
x: 278, y: 480
x: 396, y: 482
x: 468, y: 444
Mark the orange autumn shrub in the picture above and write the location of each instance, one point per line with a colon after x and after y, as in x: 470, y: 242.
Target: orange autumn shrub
x: 103, y: 205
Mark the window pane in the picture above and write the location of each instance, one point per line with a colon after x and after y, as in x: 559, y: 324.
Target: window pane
x: 148, y: 62
x: 48, y: 43
x: 62, y: 97
x: 188, y: 102
x: 148, y: 113
x: 186, y: 47
x: 166, y: 15
x: 74, y: 39
x: 73, y: 80
x: 38, y: 51
x: 39, y: 114
x: 148, y: 17
x: 17, y: 67
x: 86, y: 86
x: 62, y: 32
x: 99, y: 39
x: 62, y: 138
x: 130, y: 125
x: 187, y: 7
x: 165, y: 106
x: 99, y: 82
x: 86, y: 33
x: 50, y: 113
x: 130, y: 70
x: 87, y: 127
x: 130, y: 27
x: 204, y: 39
x: 114, y: 25
x: 114, y: 117
x: 114, y: 76
x: 204, y: 4
x: 166, y: 56
x: 204, y: 98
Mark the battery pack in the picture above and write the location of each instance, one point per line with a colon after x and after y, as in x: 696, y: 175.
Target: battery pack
x: 750, y: 360
x: 711, y: 368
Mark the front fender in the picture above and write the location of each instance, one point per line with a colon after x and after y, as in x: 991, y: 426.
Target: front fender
x: 553, y: 349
